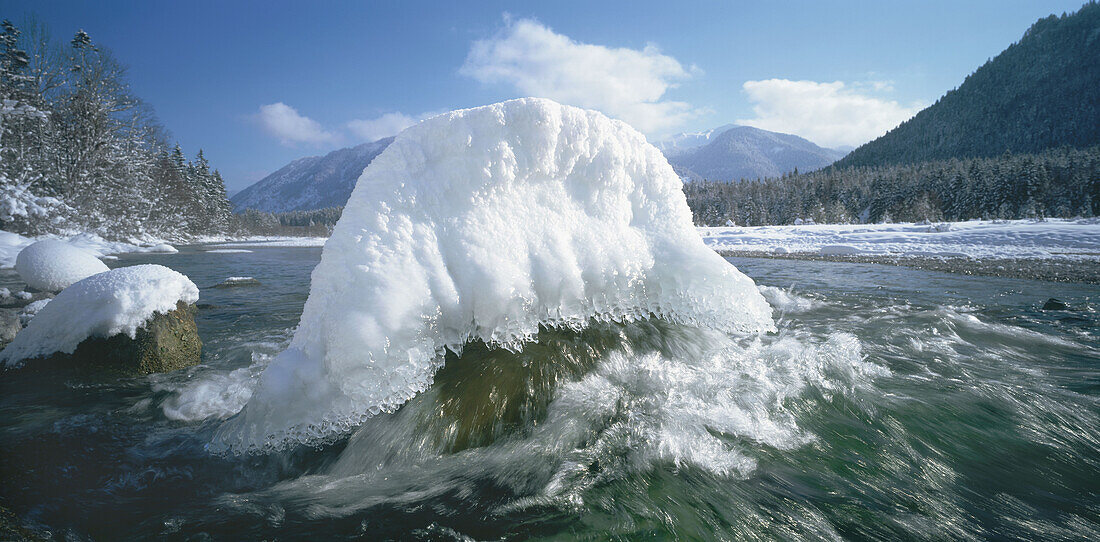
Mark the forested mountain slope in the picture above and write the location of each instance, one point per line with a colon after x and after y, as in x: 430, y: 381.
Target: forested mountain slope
x: 1041, y: 92
x: 315, y: 182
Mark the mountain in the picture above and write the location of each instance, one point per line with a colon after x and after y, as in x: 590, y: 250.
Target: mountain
x: 726, y: 153
x: 1041, y: 92
x: 684, y: 143
x: 315, y: 182
x: 733, y: 153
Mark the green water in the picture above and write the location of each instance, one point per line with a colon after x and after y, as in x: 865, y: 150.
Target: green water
x: 892, y: 404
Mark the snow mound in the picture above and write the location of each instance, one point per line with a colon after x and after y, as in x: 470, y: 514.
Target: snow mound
x: 52, y: 265
x: 485, y: 224
x: 103, y: 305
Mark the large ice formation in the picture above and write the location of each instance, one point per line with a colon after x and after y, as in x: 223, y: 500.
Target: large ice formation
x: 485, y: 224
x: 102, y: 305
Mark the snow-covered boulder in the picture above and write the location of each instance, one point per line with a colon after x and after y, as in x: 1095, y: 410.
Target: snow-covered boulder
x: 135, y: 319
x: 52, y: 265
x: 488, y: 224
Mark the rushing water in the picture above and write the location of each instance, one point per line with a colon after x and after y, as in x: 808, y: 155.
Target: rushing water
x: 893, y: 403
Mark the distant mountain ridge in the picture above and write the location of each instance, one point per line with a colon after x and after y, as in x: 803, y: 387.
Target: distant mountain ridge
x: 732, y: 153
x: 1041, y: 92
x: 308, y: 183
x: 726, y: 153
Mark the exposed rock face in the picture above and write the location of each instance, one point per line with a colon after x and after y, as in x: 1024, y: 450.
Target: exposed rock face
x: 166, y: 343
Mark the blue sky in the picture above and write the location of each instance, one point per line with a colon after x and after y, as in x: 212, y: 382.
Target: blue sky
x: 257, y: 84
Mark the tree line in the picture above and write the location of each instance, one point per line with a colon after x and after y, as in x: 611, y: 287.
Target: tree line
x: 317, y: 222
x: 80, y: 152
x: 1060, y: 182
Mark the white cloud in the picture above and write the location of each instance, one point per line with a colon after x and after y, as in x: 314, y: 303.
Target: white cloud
x: 624, y: 83
x: 829, y: 114
x: 285, y: 123
x: 383, y: 126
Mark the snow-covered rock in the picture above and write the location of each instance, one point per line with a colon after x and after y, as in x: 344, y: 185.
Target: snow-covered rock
x: 52, y: 265
x: 485, y: 224
x: 231, y: 282
x: 119, y: 301
x: 159, y: 248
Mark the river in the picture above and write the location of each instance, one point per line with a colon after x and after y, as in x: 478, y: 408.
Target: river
x: 892, y: 403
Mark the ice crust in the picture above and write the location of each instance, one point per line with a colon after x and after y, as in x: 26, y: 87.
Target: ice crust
x: 485, y: 224
x: 52, y: 265
x: 102, y: 305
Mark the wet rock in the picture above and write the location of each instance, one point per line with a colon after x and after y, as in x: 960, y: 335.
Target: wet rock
x: 166, y: 343
x: 1053, y: 304
x: 9, y: 325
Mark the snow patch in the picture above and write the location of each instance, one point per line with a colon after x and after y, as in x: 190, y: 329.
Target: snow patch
x: 262, y: 242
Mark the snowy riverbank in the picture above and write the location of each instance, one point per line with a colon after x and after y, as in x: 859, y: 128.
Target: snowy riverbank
x: 976, y: 239
x: 12, y: 243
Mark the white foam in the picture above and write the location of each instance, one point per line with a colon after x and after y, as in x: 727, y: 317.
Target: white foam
x: 787, y: 301
x: 710, y: 404
x: 487, y: 223
x: 219, y: 395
